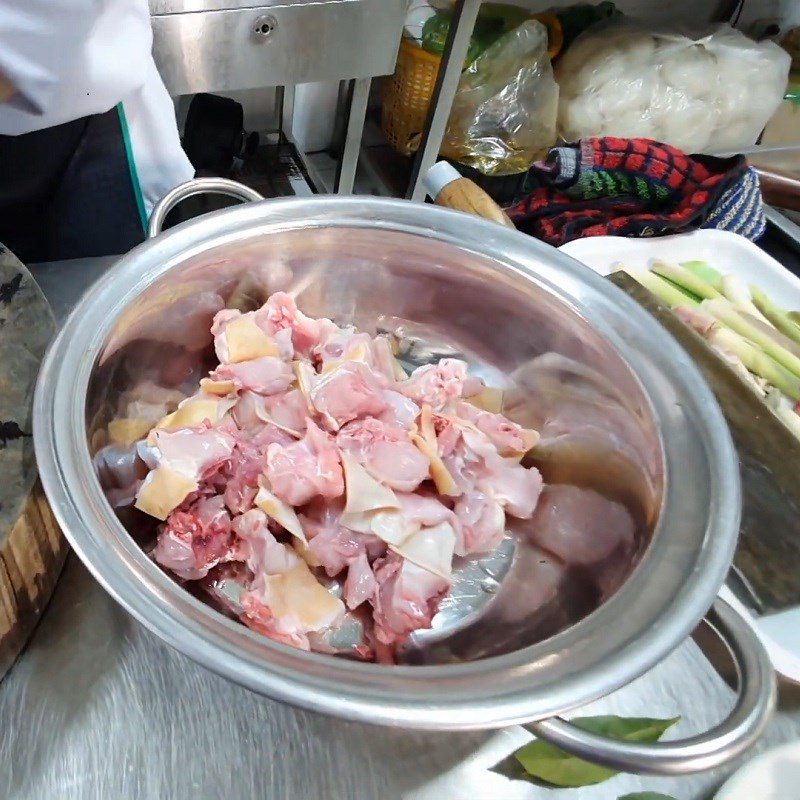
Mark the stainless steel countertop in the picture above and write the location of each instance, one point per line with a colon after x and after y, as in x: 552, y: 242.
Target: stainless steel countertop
x: 97, y: 707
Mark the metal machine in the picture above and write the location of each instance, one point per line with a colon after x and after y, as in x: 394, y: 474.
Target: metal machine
x: 227, y: 45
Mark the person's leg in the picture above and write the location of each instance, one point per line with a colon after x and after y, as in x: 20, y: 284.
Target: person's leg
x: 96, y: 209
x: 31, y: 167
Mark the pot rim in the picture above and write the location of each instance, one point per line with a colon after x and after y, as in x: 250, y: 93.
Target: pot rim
x: 580, y: 664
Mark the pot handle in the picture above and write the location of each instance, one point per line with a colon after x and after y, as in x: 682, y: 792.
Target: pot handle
x: 754, y: 704
x: 192, y: 188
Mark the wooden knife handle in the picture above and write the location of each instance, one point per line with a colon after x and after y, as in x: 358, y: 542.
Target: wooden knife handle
x: 464, y: 195
x: 779, y: 188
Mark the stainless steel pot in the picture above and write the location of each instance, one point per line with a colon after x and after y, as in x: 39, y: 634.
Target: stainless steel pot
x: 560, y: 338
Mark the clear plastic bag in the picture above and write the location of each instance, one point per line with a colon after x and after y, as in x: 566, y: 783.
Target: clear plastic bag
x: 504, y: 113
x: 710, y: 94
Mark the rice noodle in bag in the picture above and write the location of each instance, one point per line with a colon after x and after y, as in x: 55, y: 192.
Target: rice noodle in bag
x: 703, y: 94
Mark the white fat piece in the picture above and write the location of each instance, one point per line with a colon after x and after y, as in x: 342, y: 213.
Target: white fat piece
x: 265, y: 417
x: 364, y: 493
x: 388, y: 524
x: 305, y: 375
x: 219, y: 388
x: 195, y: 410
x: 163, y: 490
x: 281, y: 512
x: 427, y: 444
x: 126, y: 431
x: 431, y: 549
x: 243, y: 340
x: 297, y: 598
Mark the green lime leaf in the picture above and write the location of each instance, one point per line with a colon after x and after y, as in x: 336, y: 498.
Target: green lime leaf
x: 546, y: 762
x: 646, y: 796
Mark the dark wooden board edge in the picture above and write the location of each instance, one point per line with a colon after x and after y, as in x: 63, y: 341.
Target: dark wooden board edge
x: 31, y: 559
x: 768, y: 553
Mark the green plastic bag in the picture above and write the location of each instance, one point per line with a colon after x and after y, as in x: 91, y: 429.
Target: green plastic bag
x: 577, y: 18
x: 494, y: 19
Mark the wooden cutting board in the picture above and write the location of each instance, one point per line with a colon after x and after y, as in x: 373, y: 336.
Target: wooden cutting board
x: 768, y: 553
x: 32, y: 549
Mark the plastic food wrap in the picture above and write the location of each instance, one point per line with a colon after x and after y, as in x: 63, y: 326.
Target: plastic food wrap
x: 705, y: 95
x: 504, y: 112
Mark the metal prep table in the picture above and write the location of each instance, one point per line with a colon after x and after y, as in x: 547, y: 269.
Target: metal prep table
x: 227, y: 45
x: 97, y: 708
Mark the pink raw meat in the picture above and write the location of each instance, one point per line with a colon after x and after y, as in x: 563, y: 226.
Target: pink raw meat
x: 238, y: 478
x: 386, y: 452
x: 505, y: 435
x: 406, y: 599
x: 280, y: 312
x: 425, y: 510
x: 342, y: 344
x: 195, y: 538
x: 221, y: 320
x: 350, y: 391
x: 256, y: 614
x: 580, y: 526
x: 436, y: 384
x: 516, y: 489
x: 334, y: 545
x: 287, y: 410
x: 227, y: 315
x: 360, y: 584
x: 245, y: 412
x: 482, y: 523
x: 299, y: 471
x: 474, y: 463
x: 400, y: 411
x: 265, y: 375
x: 197, y: 451
x: 381, y: 358
x: 264, y: 554
x: 346, y: 382
x: 339, y: 343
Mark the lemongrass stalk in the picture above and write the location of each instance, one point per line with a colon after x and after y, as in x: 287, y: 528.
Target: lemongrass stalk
x: 757, y: 361
x: 688, y: 295
x: 777, y: 316
x: 788, y: 416
x: 704, y: 271
x: 774, y: 333
x: 727, y: 314
x: 685, y: 279
x: 735, y: 289
x: 662, y: 289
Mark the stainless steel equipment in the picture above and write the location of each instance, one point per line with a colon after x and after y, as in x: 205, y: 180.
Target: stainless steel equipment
x: 218, y: 45
x: 503, y: 300
x: 226, y: 45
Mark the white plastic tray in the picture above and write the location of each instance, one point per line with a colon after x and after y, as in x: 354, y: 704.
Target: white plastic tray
x: 728, y: 253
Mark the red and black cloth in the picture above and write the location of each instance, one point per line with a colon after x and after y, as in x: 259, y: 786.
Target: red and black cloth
x: 607, y: 186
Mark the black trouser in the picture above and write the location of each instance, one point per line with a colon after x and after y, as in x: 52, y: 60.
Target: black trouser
x: 68, y: 191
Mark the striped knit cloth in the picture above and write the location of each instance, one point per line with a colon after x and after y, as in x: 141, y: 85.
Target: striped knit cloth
x: 607, y: 186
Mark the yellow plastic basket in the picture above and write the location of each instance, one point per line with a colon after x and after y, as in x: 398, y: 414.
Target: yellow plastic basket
x: 407, y: 95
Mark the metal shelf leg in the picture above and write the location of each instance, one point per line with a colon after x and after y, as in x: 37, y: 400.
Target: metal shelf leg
x: 455, y: 53
x: 346, y: 168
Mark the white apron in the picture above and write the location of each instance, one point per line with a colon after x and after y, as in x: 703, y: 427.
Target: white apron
x: 69, y: 59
